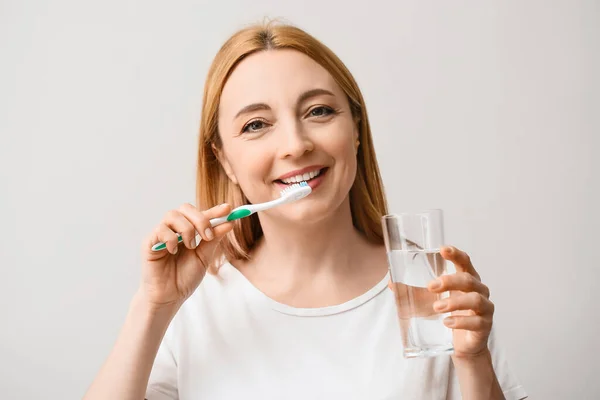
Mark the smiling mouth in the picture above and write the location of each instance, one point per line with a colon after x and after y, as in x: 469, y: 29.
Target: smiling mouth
x: 307, y: 177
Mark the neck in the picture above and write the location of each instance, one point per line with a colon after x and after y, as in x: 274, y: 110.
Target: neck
x: 314, y: 264
x: 301, y: 252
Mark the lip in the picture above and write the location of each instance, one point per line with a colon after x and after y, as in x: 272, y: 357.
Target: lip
x: 301, y: 171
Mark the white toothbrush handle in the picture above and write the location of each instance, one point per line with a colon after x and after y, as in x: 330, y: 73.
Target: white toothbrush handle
x: 245, y: 211
x: 213, y: 222
x: 218, y: 221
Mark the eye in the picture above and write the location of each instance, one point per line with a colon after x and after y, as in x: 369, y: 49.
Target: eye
x: 320, y: 111
x: 254, y: 126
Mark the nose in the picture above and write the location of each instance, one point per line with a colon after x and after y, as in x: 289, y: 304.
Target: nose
x: 294, y: 141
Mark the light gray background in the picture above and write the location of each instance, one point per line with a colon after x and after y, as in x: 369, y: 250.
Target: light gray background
x: 489, y: 110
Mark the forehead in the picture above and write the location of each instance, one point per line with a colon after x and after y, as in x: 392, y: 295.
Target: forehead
x: 274, y: 76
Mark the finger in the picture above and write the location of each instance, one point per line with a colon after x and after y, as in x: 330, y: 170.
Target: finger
x: 162, y: 233
x: 178, y: 223
x: 469, y: 323
x: 165, y: 234
x: 461, y: 281
x: 205, y: 250
x: 201, y: 219
x: 200, y: 222
x: 460, y: 259
x: 473, y: 301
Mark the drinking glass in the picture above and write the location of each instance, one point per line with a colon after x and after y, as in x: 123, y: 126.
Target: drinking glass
x: 413, y: 242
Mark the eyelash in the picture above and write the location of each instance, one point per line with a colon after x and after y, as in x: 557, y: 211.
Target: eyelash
x: 329, y: 111
x: 245, y: 128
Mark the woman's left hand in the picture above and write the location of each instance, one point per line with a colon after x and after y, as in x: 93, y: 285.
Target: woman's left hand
x: 469, y: 302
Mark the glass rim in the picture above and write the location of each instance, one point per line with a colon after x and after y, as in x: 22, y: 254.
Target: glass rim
x: 411, y: 213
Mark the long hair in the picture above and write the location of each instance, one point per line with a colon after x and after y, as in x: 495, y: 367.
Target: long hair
x: 367, y: 198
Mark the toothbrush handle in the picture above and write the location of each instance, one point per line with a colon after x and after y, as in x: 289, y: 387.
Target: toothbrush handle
x: 213, y: 222
x: 218, y: 221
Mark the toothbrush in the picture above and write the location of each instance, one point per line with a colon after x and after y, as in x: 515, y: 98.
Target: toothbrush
x: 292, y: 193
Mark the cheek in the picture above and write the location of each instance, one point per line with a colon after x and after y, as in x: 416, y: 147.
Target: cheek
x: 251, y: 166
x: 350, y: 165
x: 342, y: 148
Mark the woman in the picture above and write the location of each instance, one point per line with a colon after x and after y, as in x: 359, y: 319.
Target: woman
x: 291, y: 303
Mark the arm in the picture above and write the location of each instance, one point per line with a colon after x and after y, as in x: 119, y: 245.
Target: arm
x: 477, y: 378
x: 125, y: 373
x: 471, y: 322
x: 169, y: 277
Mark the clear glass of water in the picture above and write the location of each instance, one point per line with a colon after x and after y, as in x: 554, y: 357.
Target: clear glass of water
x: 413, y: 242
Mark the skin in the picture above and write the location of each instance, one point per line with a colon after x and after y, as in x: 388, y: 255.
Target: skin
x: 296, y: 130
x: 310, y: 255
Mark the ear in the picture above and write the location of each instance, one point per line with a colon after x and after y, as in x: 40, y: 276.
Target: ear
x: 220, y: 154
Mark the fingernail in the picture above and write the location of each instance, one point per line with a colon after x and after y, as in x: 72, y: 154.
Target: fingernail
x: 175, y: 250
x: 193, y: 243
x: 450, y: 250
x: 209, y: 233
x: 449, y: 321
x: 436, y: 284
x: 440, y: 305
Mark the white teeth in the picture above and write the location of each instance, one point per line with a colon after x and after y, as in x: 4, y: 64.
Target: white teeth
x: 301, y: 178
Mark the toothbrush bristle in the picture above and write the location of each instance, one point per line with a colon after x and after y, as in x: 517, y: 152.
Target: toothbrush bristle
x: 297, y: 190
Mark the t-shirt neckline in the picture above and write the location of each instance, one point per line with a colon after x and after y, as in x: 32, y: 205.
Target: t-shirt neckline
x: 233, y: 272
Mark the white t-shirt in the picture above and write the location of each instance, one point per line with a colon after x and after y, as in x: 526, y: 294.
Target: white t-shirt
x: 229, y: 341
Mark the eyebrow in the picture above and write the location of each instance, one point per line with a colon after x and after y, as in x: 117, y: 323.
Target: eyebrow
x: 302, y: 98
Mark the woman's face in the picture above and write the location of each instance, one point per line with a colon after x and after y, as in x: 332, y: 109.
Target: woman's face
x: 283, y: 119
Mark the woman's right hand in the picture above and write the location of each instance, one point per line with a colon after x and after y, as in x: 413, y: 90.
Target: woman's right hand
x: 171, y: 275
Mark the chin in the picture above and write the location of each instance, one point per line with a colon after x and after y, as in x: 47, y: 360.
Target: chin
x: 306, y: 211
